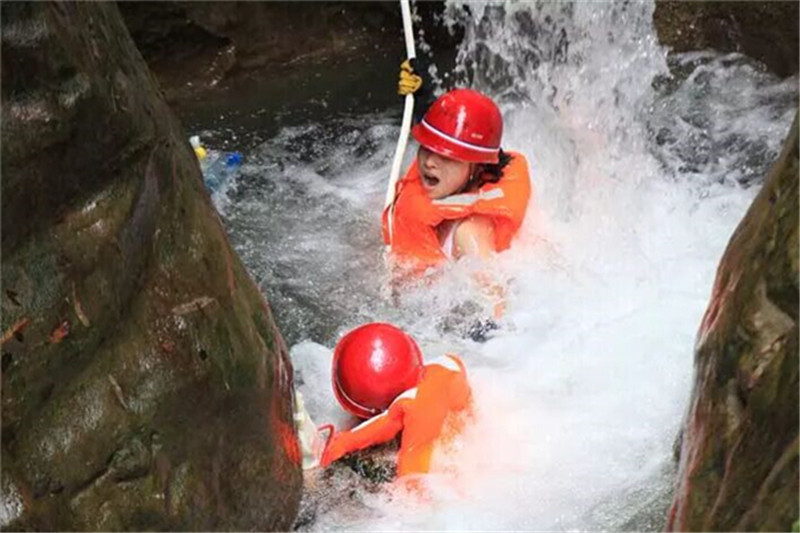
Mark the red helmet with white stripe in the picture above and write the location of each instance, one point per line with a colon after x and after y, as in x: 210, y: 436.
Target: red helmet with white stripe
x: 372, y: 365
x: 462, y: 124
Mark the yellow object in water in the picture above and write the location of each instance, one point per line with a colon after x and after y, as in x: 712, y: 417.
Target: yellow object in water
x: 199, y: 151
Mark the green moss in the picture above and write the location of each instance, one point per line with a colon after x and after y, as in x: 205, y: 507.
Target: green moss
x: 264, y: 327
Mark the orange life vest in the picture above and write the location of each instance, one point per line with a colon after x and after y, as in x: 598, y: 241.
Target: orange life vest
x: 415, y: 216
x: 423, y: 414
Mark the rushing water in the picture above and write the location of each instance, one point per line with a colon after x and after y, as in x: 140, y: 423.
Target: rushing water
x: 641, y: 172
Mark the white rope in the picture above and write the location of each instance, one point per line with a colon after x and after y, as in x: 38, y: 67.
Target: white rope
x: 408, y: 110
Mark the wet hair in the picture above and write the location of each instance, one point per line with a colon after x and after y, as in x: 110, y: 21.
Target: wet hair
x: 491, y: 173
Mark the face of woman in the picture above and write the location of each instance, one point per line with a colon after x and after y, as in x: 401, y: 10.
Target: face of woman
x: 441, y: 176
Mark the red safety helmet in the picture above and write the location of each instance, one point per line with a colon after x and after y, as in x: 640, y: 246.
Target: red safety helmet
x: 372, y: 365
x: 462, y: 124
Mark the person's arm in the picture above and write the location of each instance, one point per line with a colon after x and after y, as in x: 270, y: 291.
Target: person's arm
x: 410, y: 200
x: 378, y: 429
x: 475, y: 237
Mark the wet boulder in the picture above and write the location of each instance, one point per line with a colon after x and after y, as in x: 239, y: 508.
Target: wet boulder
x: 738, y: 467
x: 144, y: 382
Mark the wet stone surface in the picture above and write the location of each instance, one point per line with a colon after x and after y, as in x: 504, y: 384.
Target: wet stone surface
x: 739, y: 444
x: 145, y: 384
x: 344, y: 484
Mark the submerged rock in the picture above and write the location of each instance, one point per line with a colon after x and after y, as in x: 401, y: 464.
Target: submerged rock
x: 377, y: 464
x: 144, y: 383
x: 738, y: 467
x: 343, y: 484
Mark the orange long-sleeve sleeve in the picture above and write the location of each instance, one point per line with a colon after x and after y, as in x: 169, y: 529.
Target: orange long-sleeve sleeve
x: 376, y: 430
x: 421, y: 413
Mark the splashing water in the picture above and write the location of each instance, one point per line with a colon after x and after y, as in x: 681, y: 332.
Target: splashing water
x: 641, y: 172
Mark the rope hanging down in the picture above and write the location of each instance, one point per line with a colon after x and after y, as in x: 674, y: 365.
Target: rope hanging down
x: 408, y: 111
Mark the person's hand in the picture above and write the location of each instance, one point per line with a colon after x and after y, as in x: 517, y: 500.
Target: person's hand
x: 409, y: 81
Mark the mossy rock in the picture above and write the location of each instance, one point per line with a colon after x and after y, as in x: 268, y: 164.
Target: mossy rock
x: 739, y: 449
x: 145, y: 384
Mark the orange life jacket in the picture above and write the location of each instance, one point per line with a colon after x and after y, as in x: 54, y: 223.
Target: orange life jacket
x: 422, y: 413
x: 415, y: 216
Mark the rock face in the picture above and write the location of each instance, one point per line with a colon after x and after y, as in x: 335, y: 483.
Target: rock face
x: 739, y: 457
x: 767, y: 31
x: 203, y: 52
x: 193, y: 46
x: 144, y: 383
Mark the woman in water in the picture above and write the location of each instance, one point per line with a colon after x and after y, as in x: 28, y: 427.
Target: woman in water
x: 463, y: 195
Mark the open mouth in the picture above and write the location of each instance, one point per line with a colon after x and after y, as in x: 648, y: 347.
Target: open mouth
x: 430, y: 181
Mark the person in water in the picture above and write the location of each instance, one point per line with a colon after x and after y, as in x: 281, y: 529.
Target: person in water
x: 378, y: 374
x: 463, y: 195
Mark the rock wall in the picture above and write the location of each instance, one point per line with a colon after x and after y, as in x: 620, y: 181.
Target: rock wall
x: 144, y: 383
x: 739, y: 457
x: 192, y: 47
x: 200, y: 51
x: 767, y: 31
